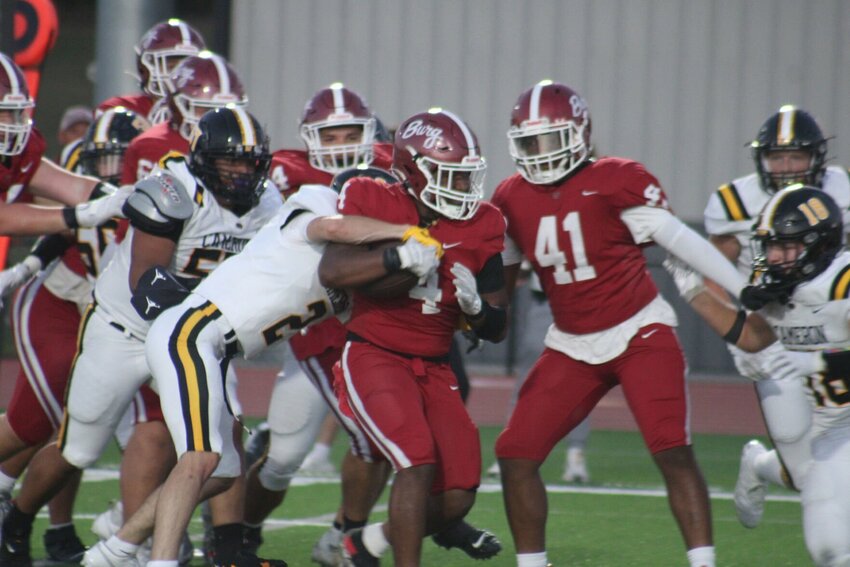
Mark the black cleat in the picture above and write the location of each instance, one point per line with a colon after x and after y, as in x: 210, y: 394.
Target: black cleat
x: 63, y: 546
x: 15, y: 546
x: 354, y: 552
x: 252, y: 538
x: 478, y: 544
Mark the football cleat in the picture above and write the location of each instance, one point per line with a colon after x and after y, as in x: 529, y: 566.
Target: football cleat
x: 476, y: 543
x: 107, y: 523
x: 494, y: 470
x: 750, y: 490
x: 246, y: 559
x: 252, y: 538
x: 317, y: 467
x: 15, y: 548
x: 328, y: 550
x: 63, y: 545
x: 101, y: 555
x: 354, y: 552
x: 576, y: 469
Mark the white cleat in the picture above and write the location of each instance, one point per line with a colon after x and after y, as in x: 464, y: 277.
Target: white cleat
x: 750, y: 490
x: 328, y: 550
x: 494, y: 470
x: 317, y: 467
x: 109, y: 522
x: 100, y: 555
x: 576, y: 469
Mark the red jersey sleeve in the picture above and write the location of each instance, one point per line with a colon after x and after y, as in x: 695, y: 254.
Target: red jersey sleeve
x: 633, y: 186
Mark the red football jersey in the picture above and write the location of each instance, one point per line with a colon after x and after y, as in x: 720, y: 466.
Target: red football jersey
x: 592, y: 271
x: 16, y: 172
x: 424, y: 322
x: 140, y: 103
x: 289, y: 170
x: 148, y: 148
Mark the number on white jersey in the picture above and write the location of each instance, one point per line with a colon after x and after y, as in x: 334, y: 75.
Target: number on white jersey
x: 549, y: 254
x: 203, y: 261
x: 830, y: 392
x: 92, y: 242
x: 288, y: 325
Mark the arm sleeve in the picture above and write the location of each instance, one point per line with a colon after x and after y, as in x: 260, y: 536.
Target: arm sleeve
x: 676, y: 237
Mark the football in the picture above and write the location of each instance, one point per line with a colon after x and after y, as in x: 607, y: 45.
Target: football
x: 392, y: 285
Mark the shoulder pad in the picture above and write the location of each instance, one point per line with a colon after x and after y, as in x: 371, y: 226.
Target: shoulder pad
x: 159, y: 203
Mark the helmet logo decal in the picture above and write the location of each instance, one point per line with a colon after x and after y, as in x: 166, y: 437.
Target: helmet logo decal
x: 814, y: 210
x: 182, y: 75
x: 578, y: 106
x: 418, y: 128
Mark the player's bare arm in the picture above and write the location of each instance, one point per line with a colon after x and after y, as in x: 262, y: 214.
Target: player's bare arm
x: 52, y: 182
x: 348, y: 265
x: 353, y: 230
x: 149, y: 251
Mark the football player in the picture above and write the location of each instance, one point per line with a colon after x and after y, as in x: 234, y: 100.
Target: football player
x: 581, y: 222
x: 158, y: 52
x: 267, y: 293
x: 46, y: 318
x: 188, y: 216
x: 789, y: 148
x: 411, y: 409
x: 801, y: 292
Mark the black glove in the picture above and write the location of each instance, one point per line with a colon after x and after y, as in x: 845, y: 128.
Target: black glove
x: 156, y: 291
x: 755, y: 297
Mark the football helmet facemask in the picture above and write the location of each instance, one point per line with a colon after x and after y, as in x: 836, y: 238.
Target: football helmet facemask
x: 230, y: 155
x: 338, y: 107
x: 549, y: 136
x: 437, y: 157
x: 15, y: 107
x: 106, y: 141
x: 801, y: 217
x: 159, y: 51
x: 789, y: 129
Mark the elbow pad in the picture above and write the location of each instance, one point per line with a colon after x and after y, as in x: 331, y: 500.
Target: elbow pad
x: 159, y: 205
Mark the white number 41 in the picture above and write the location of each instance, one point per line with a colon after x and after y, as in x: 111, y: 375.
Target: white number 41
x: 548, y: 253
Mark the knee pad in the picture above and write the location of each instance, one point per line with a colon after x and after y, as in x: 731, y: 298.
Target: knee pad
x: 275, y: 476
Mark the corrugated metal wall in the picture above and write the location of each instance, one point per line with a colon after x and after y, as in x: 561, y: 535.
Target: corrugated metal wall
x: 679, y: 85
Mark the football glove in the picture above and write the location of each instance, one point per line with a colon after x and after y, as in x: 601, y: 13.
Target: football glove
x: 421, y: 259
x: 14, y: 277
x: 466, y: 290
x: 101, y: 209
x: 424, y: 237
x: 688, y: 282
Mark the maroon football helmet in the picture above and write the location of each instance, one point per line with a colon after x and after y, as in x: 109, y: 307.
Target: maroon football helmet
x: 549, y: 135
x: 333, y: 107
x: 159, y: 51
x: 436, y: 155
x: 200, y: 83
x: 15, y: 106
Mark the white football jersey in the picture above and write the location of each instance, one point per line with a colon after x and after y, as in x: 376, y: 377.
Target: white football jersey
x: 271, y: 290
x: 734, y: 208
x: 818, y: 318
x: 209, y: 236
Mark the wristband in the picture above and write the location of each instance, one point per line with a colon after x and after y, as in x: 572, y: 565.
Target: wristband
x: 734, y: 333
x: 392, y: 261
x: 69, y: 214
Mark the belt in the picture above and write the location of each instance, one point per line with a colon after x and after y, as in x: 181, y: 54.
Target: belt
x: 442, y: 359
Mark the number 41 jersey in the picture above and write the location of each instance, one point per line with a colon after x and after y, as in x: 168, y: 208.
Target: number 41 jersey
x: 589, y: 263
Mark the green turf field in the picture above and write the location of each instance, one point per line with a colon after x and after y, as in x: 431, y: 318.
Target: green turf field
x: 620, y: 519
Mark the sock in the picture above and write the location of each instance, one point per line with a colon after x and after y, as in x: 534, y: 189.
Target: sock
x: 319, y: 452
x: 532, y: 559
x: 348, y: 524
x: 163, y: 563
x: 120, y: 547
x: 7, y: 484
x: 701, y: 556
x: 338, y: 526
x: 17, y: 521
x: 60, y: 526
x: 769, y: 468
x: 227, y: 541
x: 374, y: 539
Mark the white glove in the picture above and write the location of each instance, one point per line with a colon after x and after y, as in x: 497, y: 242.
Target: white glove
x: 418, y: 258
x: 795, y: 364
x: 98, y: 211
x: 466, y: 290
x: 14, y: 277
x: 689, y: 283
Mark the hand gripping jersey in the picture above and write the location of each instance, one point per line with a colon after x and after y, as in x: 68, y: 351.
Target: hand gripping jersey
x: 209, y: 236
x: 734, y: 208
x: 148, y: 148
x: 271, y: 290
x: 423, y: 323
x: 591, y: 267
x: 18, y: 171
x: 289, y: 170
